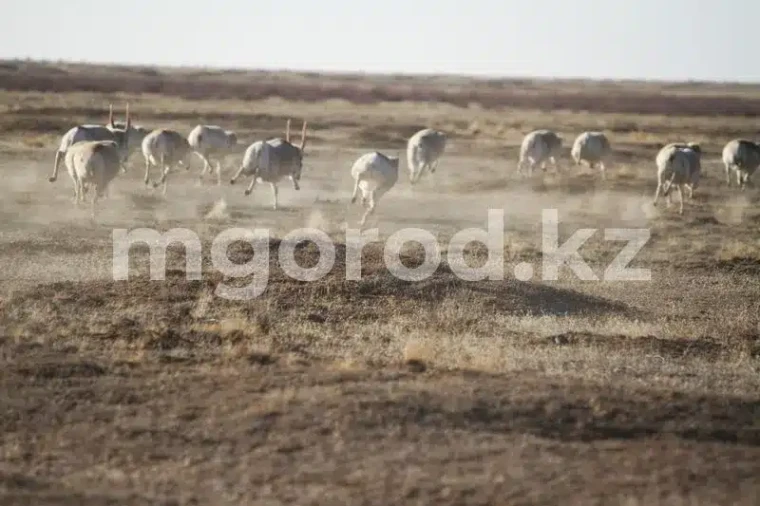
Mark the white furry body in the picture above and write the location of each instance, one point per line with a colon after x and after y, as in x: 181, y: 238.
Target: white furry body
x: 374, y: 174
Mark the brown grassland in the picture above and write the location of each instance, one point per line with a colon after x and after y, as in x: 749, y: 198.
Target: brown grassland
x: 378, y: 391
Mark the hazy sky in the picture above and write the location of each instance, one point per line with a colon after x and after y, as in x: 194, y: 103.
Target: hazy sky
x: 654, y: 39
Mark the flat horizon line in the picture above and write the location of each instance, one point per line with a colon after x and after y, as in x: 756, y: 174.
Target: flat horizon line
x: 358, y: 73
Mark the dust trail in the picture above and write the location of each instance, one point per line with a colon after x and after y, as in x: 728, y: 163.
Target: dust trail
x: 733, y: 210
x: 218, y: 211
x: 63, y: 240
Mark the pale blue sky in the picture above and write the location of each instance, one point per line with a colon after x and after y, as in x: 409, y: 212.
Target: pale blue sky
x: 650, y: 39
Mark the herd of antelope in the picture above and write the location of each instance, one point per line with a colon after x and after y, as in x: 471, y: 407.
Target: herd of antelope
x: 678, y: 164
x: 95, y: 154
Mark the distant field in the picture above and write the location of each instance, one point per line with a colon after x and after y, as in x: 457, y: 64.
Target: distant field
x: 378, y: 391
x: 693, y: 99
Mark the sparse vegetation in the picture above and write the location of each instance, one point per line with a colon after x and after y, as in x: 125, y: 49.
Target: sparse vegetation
x: 379, y: 391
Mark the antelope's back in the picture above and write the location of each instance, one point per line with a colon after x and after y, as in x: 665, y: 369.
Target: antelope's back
x: 89, y: 154
x: 665, y: 153
x: 541, y: 143
x: 375, y: 170
x: 173, y: 143
x: 434, y: 141
x: 208, y: 136
x: 742, y: 152
x: 150, y: 142
x: 679, y: 160
x: 109, y: 150
x: 287, y: 154
x: 593, y: 144
x: 85, y: 133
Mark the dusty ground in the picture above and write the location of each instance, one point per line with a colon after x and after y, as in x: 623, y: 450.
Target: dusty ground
x: 378, y: 391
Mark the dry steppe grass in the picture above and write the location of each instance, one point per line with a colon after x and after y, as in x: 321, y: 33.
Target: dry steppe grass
x: 378, y: 390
